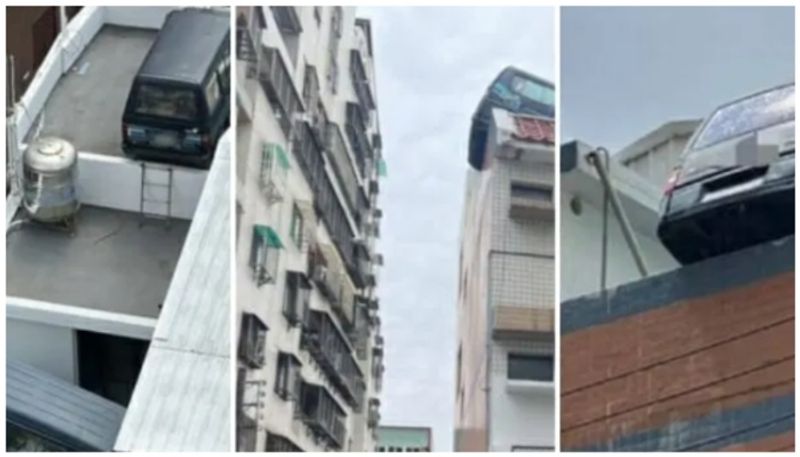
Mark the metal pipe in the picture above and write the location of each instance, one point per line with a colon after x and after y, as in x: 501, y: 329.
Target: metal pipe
x: 594, y: 159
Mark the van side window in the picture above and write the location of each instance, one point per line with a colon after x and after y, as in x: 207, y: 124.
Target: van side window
x: 212, y: 94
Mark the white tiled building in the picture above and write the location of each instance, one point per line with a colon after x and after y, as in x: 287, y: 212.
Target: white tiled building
x: 308, y: 163
x: 504, y: 387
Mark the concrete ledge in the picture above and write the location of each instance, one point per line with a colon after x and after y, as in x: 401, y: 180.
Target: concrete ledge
x: 60, y: 315
x: 704, y: 278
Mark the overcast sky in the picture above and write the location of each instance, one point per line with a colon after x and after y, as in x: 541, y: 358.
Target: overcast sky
x: 433, y: 66
x: 626, y: 71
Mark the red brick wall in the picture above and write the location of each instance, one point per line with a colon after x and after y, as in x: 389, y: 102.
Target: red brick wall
x: 678, y: 362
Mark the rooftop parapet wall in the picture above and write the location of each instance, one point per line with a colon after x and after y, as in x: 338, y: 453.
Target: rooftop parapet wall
x: 698, y: 358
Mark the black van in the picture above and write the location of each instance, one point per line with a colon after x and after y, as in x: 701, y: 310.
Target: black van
x: 516, y: 91
x: 734, y: 184
x: 179, y: 103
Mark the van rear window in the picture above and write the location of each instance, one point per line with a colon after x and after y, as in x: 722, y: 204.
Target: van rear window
x: 751, y: 114
x: 167, y: 102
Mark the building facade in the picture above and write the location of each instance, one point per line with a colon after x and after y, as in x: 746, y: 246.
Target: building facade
x: 310, y: 358
x: 587, y: 266
x: 654, y: 155
x: 396, y: 438
x: 504, y: 381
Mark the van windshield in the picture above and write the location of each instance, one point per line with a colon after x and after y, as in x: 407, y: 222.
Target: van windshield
x: 166, y: 101
x: 751, y: 114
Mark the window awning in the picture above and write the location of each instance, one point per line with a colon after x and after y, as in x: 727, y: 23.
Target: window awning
x: 269, y: 235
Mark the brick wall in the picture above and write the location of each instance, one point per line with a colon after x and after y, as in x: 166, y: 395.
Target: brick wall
x: 699, y: 358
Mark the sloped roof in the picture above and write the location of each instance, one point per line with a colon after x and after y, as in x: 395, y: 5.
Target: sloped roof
x: 65, y: 413
x: 182, y: 398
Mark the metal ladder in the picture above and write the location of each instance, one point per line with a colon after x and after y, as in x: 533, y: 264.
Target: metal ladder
x: 157, y: 192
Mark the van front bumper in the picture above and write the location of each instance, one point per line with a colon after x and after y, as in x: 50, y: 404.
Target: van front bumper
x: 709, y: 229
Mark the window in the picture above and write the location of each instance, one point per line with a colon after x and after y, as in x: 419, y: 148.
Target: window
x: 212, y: 94
x: 532, y: 90
x: 296, y: 296
x: 532, y: 192
x: 166, y: 102
x: 530, y: 367
x: 296, y: 227
x: 287, y: 380
x: 264, y: 254
x: 252, y: 340
x: 753, y: 113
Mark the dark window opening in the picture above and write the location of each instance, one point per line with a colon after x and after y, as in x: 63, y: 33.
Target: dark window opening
x: 530, y: 367
x: 531, y: 191
x: 109, y: 365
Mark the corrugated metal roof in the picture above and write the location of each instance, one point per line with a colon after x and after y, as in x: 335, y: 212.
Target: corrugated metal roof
x: 182, y: 398
x: 63, y: 412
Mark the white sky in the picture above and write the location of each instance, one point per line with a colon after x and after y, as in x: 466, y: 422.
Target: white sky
x: 432, y: 67
x: 626, y: 71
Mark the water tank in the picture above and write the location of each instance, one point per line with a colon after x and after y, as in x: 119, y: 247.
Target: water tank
x: 49, y: 169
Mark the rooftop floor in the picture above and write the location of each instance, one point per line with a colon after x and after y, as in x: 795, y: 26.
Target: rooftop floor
x: 111, y: 263
x: 86, y: 105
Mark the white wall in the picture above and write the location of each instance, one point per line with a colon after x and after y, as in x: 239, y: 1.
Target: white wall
x: 581, y: 248
x: 47, y: 347
x: 115, y: 182
x: 522, y: 412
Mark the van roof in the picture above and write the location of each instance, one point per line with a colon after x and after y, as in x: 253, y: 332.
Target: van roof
x: 186, y: 45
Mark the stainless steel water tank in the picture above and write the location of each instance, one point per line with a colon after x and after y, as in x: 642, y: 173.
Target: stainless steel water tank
x: 50, y: 168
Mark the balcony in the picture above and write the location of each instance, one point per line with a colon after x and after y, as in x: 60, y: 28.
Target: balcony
x: 249, y: 24
x: 358, y: 74
x: 309, y: 156
x: 356, y: 128
x: 363, y: 264
x: 273, y: 172
x: 324, y: 276
x: 374, y: 413
x: 359, y: 331
x: 531, y: 201
x: 322, y: 414
x: 518, y: 323
x: 330, y: 350
x: 287, y: 19
x: 345, y: 172
x: 279, y: 88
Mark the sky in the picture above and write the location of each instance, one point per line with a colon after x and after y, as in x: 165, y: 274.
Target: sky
x: 626, y: 71
x: 433, y: 65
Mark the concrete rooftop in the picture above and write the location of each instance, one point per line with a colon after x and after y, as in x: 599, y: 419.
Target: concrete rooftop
x: 111, y: 263
x: 86, y: 105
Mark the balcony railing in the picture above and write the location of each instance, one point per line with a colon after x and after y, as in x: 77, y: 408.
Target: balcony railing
x: 343, y: 168
x: 309, y: 155
x: 357, y: 135
x: 279, y: 88
x: 360, y: 81
x: 322, y: 414
x: 287, y: 19
x: 329, y: 348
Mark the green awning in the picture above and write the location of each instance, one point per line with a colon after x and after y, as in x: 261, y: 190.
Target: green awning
x: 279, y: 154
x: 382, y: 170
x: 269, y: 236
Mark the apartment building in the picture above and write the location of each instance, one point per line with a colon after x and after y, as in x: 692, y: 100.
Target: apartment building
x: 310, y: 355
x: 504, y: 380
